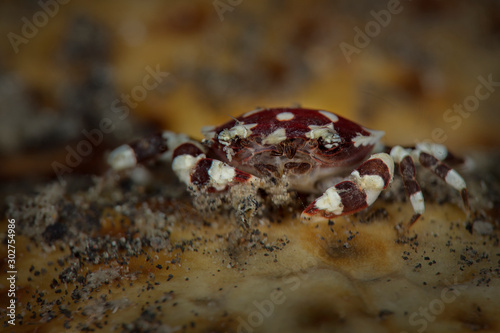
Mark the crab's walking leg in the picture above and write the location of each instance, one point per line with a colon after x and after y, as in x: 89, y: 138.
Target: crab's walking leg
x: 156, y: 146
x: 358, y: 192
x: 406, y: 166
x: 429, y: 159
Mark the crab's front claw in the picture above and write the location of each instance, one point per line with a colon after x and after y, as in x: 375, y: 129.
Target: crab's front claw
x: 206, y: 174
x: 344, y: 198
x: 356, y: 193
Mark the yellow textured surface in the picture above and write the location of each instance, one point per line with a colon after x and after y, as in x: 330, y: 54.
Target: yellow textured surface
x: 130, y: 260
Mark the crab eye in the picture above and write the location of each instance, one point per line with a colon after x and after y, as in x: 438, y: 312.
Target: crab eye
x: 326, y: 136
x: 329, y: 143
x: 225, y: 137
x: 239, y: 131
x: 329, y: 140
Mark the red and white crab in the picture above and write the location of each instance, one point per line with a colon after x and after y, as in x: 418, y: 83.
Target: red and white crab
x: 314, y: 149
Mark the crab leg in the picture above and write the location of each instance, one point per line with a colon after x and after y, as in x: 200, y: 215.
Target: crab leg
x: 406, y: 166
x: 156, y: 146
x: 426, y: 155
x: 357, y: 192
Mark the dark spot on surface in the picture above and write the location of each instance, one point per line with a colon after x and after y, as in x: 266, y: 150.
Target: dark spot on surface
x: 54, y: 232
x: 86, y: 221
x: 339, y: 251
x: 383, y: 314
x: 318, y: 316
x: 370, y: 216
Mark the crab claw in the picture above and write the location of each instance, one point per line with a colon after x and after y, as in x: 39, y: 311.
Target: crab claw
x: 356, y: 193
x: 203, y: 173
x: 335, y: 199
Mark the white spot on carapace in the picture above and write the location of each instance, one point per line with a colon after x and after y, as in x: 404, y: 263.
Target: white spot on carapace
x: 330, y: 202
x: 417, y: 201
x: 183, y: 165
x: 325, y: 132
x: 329, y: 115
x: 239, y: 130
x: 220, y: 174
x: 275, y: 137
x: 250, y: 113
x: 122, y: 157
x: 283, y: 116
x: 367, y: 140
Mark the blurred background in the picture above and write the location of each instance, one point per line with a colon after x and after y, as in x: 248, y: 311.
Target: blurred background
x: 79, y: 78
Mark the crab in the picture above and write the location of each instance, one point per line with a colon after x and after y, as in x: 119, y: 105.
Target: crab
x: 316, y: 151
